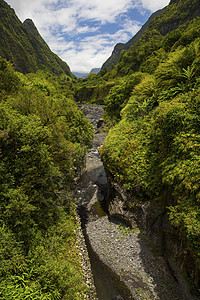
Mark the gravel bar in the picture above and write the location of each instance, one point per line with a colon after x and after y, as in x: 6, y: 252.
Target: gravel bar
x: 129, y: 254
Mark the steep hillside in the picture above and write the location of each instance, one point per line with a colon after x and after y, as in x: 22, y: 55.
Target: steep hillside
x: 42, y: 149
x: 160, y: 24
x: 151, y: 153
x: 115, y: 56
x: 95, y: 70
x: 22, y: 44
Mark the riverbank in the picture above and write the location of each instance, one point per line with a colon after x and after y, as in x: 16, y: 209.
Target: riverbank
x: 128, y: 253
x: 85, y: 263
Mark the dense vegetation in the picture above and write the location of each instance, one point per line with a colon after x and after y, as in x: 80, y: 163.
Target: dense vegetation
x: 154, y: 146
x: 160, y: 23
x: 152, y: 105
x: 92, y: 90
x: 43, y: 139
x: 153, y: 110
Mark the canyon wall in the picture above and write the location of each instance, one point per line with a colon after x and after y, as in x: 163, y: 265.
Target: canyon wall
x: 152, y: 219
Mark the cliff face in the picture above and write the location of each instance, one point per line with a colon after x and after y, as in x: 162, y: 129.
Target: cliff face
x: 22, y: 44
x: 152, y: 218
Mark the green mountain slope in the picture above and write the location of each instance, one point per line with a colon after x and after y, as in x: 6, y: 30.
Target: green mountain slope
x: 160, y: 24
x: 22, y: 44
x: 115, y: 56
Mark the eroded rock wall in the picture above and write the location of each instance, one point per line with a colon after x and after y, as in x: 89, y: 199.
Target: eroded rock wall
x: 152, y: 218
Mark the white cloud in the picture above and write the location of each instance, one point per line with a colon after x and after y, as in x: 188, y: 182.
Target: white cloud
x: 93, y: 51
x: 102, y: 10
x: 131, y: 26
x: 63, y: 11
x: 56, y: 19
x: 154, y: 5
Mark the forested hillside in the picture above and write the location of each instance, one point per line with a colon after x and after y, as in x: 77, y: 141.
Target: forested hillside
x: 153, y: 146
x: 22, y: 44
x: 152, y: 108
x: 115, y: 56
x: 42, y: 147
x: 159, y: 25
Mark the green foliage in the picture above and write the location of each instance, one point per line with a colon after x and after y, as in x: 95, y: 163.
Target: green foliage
x: 11, y: 254
x: 22, y: 44
x: 43, y: 141
x: 94, y: 89
x: 50, y: 270
x: 155, y: 144
x: 170, y: 39
x: 152, y: 61
x: 124, y: 154
x: 9, y: 80
x: 118, y: 97
x: 136, y: 56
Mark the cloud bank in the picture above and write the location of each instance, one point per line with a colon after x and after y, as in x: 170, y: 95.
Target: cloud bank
x: 84, y: 32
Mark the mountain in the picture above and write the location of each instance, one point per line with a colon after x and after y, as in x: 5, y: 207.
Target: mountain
x: 80, y: 75
x: 161, y: 22
x: 22, y: 44
x: 95, y: 70
x: 115, y: 56
x: 85, y: 75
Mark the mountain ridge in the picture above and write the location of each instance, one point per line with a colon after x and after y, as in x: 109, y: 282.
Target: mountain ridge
x: 22, y: 44
x: 95, y: 70
x: 164, y: 21
x: 119, y: 47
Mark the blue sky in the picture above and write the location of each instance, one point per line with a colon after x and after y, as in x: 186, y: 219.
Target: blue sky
x: 84, y: 32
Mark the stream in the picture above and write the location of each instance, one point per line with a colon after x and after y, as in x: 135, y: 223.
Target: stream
x: 90, y: 193
x: 124, y: 264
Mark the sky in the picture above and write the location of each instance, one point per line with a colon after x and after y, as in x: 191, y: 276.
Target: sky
x: 84, y: 32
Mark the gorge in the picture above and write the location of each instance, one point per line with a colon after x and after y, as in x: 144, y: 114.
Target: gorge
x: 122, y: 147
x: 125, y: 252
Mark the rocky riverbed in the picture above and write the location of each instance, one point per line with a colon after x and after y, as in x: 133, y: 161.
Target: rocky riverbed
x: 134, y: 259
x: 127, y: 252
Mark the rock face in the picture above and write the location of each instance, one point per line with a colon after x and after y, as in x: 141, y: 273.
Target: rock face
x: 152, y: 218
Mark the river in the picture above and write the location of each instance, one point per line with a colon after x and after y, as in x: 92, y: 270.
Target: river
x: 125, y: 265
x: 90, y: 193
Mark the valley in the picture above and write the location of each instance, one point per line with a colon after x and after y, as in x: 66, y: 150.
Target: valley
x: 125, y: 264
x: 100, y: 176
